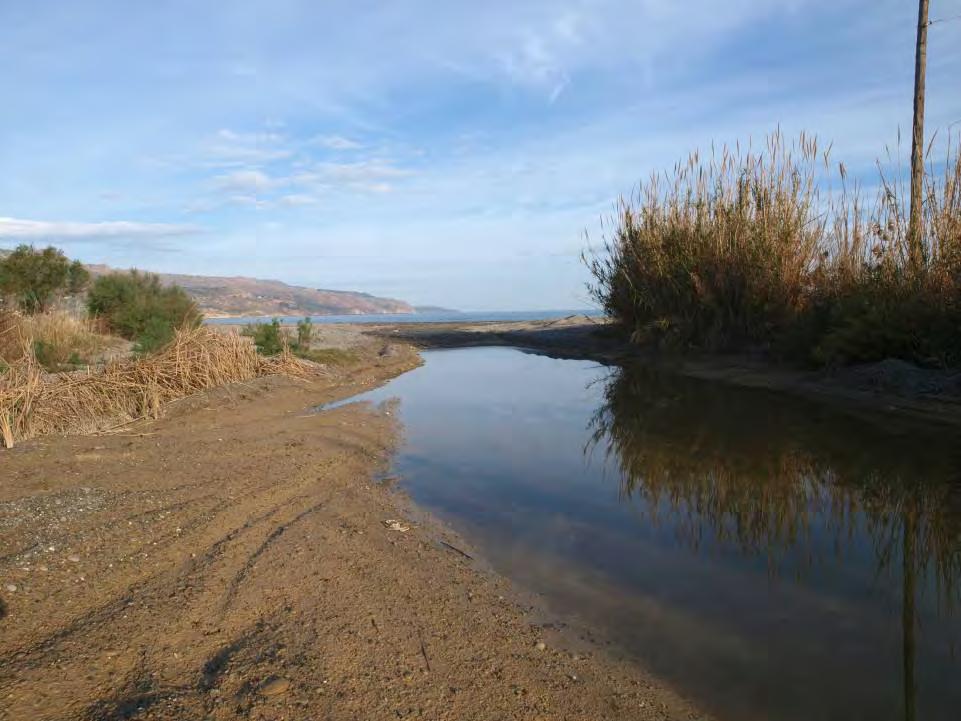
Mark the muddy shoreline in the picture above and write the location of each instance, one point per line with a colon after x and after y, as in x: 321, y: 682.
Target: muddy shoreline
x: 237, y: 559
x: 890, y: 392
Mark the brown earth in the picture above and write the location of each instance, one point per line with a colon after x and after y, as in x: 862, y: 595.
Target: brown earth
x: 231, y: 560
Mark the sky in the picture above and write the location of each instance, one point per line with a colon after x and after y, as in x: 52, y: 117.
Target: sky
x: 448, y: 153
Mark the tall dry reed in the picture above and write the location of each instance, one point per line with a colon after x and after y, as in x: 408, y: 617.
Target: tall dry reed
x: 34, y: 403
x: 745, y: 249
x: 58, y: 338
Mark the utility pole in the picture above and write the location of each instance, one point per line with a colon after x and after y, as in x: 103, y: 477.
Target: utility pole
x: 917, y: 138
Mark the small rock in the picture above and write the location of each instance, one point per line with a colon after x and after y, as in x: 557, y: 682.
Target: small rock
x: 73, y: 558
x: 275, y: 687
x: 10, y: 588
x: 540, y: 646
x: 572, y: 677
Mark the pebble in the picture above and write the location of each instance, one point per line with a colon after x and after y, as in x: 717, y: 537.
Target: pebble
x: 73, y: 558
x: 540, y: 646
x: 275, y: 687
x: 10, y: 588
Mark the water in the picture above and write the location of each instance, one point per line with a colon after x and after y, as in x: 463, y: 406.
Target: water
x: 769, y: 558
x: 451, y: 316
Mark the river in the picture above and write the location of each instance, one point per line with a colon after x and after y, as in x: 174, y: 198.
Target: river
x: 769, y: 558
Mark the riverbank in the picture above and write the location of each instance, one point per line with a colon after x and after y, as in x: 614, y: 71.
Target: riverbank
x: 890, y: 391
x: 237, y: 559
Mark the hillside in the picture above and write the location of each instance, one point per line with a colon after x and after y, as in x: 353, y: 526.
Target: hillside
x: 235, y: 296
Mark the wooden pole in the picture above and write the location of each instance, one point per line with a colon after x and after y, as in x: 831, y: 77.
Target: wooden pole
x: 917, y: 138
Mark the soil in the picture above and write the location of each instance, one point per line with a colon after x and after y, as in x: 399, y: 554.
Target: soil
x: 240, y: 559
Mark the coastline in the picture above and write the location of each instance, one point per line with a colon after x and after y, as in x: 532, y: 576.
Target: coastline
x: 232, y: 560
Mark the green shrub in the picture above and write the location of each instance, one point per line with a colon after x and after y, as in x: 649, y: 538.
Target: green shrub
x: 269, y: 338
x: 138, y: 307
x: 305, y: 334
x: 35, y: 278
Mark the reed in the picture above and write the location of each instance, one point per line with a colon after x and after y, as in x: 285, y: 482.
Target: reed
x: 35, y: 403
x: 777, y: 250
x: 59, y: 339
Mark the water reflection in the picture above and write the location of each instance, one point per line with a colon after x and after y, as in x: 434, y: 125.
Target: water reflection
x: 771, y: 559
x: 750, y: 476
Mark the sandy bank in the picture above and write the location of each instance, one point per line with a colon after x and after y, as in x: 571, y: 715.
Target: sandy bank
x: 231, y: 560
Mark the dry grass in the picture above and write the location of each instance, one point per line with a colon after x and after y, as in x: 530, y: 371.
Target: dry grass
x: 34, y: 403
x: 748, y: 249
x: 58, y: 339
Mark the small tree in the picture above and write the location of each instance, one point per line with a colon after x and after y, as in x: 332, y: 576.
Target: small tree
x: 137, y: 306
x: 269, y: 338
x: 305, y: 334
x: 36, y: 278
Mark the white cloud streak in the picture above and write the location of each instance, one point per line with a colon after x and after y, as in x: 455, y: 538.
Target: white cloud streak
x: 19, y: 229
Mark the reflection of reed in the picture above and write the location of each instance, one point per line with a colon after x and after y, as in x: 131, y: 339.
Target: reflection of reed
x: 760, y: 475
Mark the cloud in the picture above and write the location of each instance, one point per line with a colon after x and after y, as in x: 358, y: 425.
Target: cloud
x: 298, y: 199
x: 19, y: 229
x: 229, y: 147
x: 362, y: 171
x: 251, y: 182
x: 336, y: 142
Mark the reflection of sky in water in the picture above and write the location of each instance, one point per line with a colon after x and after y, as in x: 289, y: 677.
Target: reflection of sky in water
x: 793, y: 613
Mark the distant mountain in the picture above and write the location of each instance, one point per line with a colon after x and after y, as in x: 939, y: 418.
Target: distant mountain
x: 220, y: 297
x: 239, y: 296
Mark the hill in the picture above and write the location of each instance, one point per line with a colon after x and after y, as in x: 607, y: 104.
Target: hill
x: 238, y: 296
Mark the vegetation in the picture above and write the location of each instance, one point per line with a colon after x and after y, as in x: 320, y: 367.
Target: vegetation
x: 34, y: 279
x: 34, y: 403
x: 743, y: 251
x: 59, y: 340
x: 137, y: 307
x: 305, y: 333
x: 272, y: 338
x: 269, y: 338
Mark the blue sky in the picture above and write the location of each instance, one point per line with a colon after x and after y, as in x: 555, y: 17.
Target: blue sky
x: 451, y: 153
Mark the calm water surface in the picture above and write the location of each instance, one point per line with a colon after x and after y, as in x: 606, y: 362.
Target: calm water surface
x: 439, y: 316
x: 769, y: 558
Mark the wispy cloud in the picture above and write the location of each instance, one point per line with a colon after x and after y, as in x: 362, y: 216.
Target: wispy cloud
x: 247, y: 181
x: 336, y: 142
x: 229, y: 147
x: 19, y: 229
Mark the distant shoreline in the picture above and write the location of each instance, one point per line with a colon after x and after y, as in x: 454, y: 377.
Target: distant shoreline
x: 447, y: 316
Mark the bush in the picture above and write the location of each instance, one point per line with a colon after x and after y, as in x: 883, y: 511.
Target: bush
x: 138, y: 307
x: 269, y: 338
x: 305, y: 334
x: 744, y: 252
x: 34, y: 279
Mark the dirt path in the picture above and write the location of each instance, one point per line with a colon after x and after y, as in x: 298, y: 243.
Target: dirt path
x: 231, y: 561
